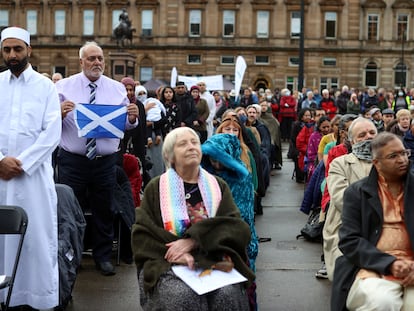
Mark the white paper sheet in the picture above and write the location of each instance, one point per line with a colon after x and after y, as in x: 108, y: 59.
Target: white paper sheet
x: 207, y: 283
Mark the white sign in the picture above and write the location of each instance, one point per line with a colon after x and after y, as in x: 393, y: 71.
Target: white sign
x: 239, y: 73
x: 213, y: 83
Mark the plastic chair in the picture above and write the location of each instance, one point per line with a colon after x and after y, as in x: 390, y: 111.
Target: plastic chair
x: 13, y: 220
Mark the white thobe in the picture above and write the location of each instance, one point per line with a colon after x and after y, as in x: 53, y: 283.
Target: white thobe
x: 211, y: 102
x: 30, y: 128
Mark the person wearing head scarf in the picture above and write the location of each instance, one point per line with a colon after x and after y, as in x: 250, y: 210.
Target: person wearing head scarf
x: 222, y: 156
x: 155, y: 115
x: 134, y: 140
x: 155, y: 112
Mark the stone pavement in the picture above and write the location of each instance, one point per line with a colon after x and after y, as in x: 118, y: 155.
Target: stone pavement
x: 285, y: 266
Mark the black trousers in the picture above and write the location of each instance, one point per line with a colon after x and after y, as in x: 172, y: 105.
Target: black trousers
x: 93, y: 183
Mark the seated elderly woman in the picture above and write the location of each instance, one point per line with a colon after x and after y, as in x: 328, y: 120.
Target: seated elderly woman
x: 188, y: 217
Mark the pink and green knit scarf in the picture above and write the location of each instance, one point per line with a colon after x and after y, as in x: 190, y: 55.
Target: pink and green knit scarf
x: 173, y: 204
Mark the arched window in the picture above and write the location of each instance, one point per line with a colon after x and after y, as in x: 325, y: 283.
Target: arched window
x: 400, y: 75
x: 371, y: 75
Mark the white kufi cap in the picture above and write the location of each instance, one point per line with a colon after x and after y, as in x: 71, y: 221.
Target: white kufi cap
x: 16, y: 33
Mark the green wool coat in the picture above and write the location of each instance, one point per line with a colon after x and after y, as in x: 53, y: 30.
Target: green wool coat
x: 226, y: 233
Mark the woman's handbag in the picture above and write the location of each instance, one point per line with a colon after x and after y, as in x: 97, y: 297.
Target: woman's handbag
x: 312, y: 231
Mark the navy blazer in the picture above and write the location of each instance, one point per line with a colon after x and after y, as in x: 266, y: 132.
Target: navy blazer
x: 362, y: 220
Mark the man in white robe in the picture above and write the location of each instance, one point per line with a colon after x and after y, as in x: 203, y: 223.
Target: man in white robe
x: 211, y: 102
x: 30, y: 128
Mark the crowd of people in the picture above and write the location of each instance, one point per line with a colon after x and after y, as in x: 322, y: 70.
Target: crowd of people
x: 206, y: 161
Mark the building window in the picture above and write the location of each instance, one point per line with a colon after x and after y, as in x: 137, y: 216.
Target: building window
x: 295, y: 24
x: 371, y: 74
x: 195, y: 23
x: 229, y: 21
x: 261, y: 60
x: 400, y: 75
x: 294, y: 61
x: 31, y: 21
x: 373, y: 22
x: 61, y: 70
x: 402, y: 27
x: 115, y: 18
x: 323, y: 84
x: 194, y: 59
x: 146, y: 23
x: 330, y: 25
x: 334, y: 83
x: 227, y: 60
x: 145, y: 74
x: 262, y: 24
x: 119, y: 70
x: 4, y: 18
x: 328, y: 83
x: 329, y: 61
x: 291, y: 83
x: 60, y: 18
x: 88, y: 22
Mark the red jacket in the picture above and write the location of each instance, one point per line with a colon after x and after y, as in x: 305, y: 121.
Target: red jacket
x: 132, y: 169
x: 287, y: 107
x: 302, y: 143
x: 328, y: 104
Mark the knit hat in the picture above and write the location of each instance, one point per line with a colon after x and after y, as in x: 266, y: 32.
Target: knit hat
x: 16, y: 33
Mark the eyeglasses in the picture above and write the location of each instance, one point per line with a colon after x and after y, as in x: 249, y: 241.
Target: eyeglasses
x: 394, y: 155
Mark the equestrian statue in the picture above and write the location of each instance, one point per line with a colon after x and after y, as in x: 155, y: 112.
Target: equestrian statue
x: 123, y: 31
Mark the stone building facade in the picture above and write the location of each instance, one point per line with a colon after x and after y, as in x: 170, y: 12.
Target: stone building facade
x: 362, y: 44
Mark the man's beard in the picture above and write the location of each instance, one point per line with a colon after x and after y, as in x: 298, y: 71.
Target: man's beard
x: 18, y: 67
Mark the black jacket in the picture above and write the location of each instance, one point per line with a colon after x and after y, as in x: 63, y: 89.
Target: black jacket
x: 188, y: 109
x: 362, y: 220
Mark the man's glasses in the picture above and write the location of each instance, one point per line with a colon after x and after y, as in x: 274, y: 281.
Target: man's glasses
x: 394, y: 155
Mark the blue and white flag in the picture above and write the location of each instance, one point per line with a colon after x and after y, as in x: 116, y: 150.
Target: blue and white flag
x: 100, y: 121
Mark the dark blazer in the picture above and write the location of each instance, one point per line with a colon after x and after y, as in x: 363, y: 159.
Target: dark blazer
x: 362, y: 220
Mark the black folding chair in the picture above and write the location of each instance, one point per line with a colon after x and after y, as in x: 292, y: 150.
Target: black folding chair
x: 13, y: 220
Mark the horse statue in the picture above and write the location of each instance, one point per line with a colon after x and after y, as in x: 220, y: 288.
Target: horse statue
x: 123, y: 31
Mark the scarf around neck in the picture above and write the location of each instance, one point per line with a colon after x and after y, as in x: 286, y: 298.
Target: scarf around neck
x: 362, y: 150
x: 173, y: 203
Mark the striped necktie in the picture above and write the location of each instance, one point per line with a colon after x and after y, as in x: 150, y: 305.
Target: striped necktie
x: 91, y: 142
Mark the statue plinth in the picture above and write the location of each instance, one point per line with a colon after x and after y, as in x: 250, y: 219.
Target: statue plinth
x: 122, y: 65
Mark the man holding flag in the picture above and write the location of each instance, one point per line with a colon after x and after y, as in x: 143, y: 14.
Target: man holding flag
x: 95, y: 112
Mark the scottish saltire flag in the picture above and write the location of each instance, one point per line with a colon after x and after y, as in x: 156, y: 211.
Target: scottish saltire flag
x: 100, y: 121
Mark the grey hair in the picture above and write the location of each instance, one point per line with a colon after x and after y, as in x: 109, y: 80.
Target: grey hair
x: 351, y: 127
x: 169, y: 143
x: 380, y: 141
x: 85, y: 46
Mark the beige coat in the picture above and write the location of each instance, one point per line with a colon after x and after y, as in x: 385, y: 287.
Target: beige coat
x: 343, y: 171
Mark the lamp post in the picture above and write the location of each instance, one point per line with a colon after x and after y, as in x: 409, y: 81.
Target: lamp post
x: 301, y: 45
